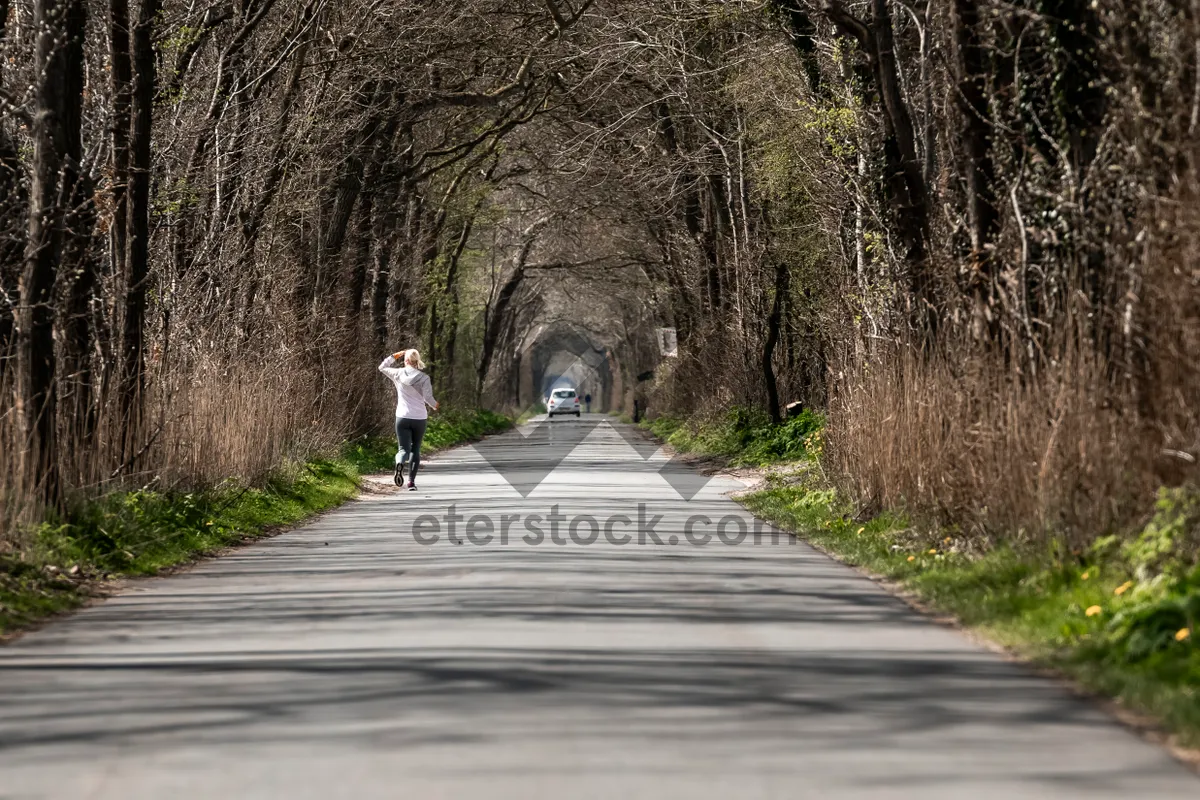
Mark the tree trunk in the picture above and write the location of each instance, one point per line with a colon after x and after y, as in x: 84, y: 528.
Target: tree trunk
x: 381, y: 182
x: 137, y: 268
x: 81, y: 275
x: 495, y: 324
x: 803, y: 33
x: 56, y: 136
x: 121, y: 76
x: 384, y: 235
x: 452, y: 281
x: 404, y: 311
x: 14, y: 215
x: 979, y: 173
x: 452, y: 296
x: 360, y: 260
x: 332, y: 235
x: 774, y: 323
x: 907, y: 191
x: 251, y: 15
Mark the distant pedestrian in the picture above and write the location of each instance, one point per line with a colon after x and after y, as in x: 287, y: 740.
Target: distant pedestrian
x: 587, y: 401
x: 414, y: 391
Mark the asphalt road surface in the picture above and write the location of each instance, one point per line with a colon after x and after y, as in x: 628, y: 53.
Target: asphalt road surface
x: 346, y: 659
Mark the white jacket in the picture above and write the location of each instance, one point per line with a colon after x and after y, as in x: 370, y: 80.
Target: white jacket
x: 414, y: 390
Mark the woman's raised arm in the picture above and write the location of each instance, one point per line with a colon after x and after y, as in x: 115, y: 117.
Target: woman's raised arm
x: 388, y: 365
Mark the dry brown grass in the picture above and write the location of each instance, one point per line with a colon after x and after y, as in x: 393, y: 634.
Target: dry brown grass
x: 1074, y: 451
x: 16, y: 484
x: 974, y: 446
x: 209, y: 417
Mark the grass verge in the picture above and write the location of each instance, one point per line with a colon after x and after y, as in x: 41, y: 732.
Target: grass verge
x: 143, y: 532
x: 743, y: 436
x: 1121, y: 618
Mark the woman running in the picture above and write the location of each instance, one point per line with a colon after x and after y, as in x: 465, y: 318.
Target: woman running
x: 414, y: 391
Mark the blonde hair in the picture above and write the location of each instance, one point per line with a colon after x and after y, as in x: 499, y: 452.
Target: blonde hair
x: 412, y: 358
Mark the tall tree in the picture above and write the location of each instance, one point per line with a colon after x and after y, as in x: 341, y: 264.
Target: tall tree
x: 979, y: 173
x: 55, y: 166
x: 121, y: 78
x: 137, y: 267
x: 13, y: 215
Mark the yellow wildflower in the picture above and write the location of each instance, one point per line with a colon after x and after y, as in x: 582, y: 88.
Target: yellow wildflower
x: 1093, y: 611
x: 912, y: 558
x: 1181, y: 634
x: 933, y: 551
x: 860, y: 530
x: 1083, y: 577
x: 1123, y: 588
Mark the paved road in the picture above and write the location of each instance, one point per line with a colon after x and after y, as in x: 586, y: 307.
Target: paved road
x: 344, y: 659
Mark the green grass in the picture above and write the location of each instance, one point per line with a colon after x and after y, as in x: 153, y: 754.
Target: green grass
x: 744, y: 436
x: 143, y: 532
x: 1035, y: 603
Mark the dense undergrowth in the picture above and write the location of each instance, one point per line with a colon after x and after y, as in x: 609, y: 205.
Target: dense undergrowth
x: 1119, y: 615
x: 145, y: 531
x: 747, y: 437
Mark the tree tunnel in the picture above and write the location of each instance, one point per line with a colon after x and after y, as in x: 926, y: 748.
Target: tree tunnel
x: 566, y: 355
x: 605, y: 362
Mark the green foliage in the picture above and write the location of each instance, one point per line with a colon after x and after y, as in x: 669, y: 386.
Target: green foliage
x: 175, y: 198
x: 370, y: 454
x: 836, y: 126
x: 1156, y: 625
x: 1169, y: 542
x: 141, y: 532
x: 185, y: 36
x: 452, y: 427
x: 746, y: 436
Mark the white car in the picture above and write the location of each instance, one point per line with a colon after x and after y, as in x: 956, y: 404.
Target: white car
x: 562, y: 401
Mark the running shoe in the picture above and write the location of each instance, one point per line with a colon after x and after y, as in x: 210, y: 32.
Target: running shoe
x: 398, y: 476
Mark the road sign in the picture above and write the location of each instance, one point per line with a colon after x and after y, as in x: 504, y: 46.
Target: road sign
x: 667, y: 343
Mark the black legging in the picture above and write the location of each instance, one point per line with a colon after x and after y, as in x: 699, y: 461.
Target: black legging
x: 410, y: 432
